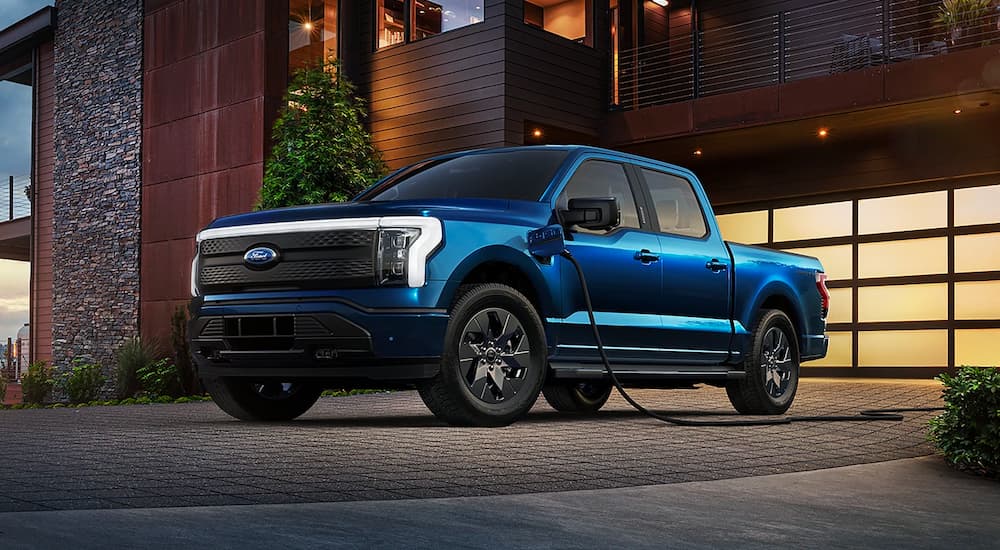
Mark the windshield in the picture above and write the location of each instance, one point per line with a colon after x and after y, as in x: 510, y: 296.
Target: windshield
x: 510, y: 174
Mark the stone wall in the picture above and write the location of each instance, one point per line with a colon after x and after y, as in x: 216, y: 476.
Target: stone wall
x: 97, y: 190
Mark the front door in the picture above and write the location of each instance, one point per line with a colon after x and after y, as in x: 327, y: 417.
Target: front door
x: 622, y: 269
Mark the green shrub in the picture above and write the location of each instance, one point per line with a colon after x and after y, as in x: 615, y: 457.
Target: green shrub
x: 36, y: 384
x: 83, y: 382
x: 129, y: 358
x: 968, y: 432
x: 160, y: 378
x: 3, y: 388
x: 322, y: 151
x: 182, y: 354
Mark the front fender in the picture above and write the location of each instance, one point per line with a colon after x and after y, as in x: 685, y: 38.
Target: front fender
x: 542, y: 277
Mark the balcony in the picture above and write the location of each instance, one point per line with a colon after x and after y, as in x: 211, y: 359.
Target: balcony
x: 15, y: 219
x: 827, y: 39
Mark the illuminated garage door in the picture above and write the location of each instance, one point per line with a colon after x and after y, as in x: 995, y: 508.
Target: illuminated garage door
x: 914, y: 275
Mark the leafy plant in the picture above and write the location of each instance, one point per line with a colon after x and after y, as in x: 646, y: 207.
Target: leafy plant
x: 133, y: 355
x: 3, y: 388
x: 960, y: 18
x: 322, y: 151
x: 36, y: 384
x: 968, y: 432
x: 83, y: 382
x: 182, y: 354
x: 160, y: 378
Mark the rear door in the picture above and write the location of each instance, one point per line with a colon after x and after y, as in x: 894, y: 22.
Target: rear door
x: 696, y: 271
x: 621, y: 266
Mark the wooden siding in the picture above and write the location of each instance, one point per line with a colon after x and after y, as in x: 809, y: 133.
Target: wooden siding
x: 440, y: 94
x: 42, y: 213
x: 210, y: 94
x: 553, y: 81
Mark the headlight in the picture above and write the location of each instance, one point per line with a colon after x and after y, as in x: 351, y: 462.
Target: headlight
x: 392, y: 261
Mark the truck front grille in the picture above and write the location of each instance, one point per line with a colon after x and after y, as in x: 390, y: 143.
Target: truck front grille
x: 307, y: 260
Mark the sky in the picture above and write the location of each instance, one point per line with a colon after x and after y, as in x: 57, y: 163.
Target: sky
x: 15, y: 160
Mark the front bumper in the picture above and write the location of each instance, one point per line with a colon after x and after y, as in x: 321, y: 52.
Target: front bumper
x: 315, y: 338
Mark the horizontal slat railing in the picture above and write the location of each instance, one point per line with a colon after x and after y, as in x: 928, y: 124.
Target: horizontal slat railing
x: 16, y: 203
x: 817, y: 40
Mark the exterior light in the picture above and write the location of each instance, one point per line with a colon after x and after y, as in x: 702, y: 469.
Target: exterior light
x: 697, y: 152
x: 307, y: 25
x: 661, y: 3
x: 957, y: 111
x: 823, y: 132
x: 537, y: 133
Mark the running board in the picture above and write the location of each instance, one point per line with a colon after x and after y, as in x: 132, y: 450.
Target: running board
x: 636, y: 372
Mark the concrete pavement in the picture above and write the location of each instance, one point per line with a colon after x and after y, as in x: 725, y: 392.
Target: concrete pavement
x: 910, y: 503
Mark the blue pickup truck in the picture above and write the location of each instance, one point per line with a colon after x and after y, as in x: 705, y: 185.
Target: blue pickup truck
x: 426, y: 279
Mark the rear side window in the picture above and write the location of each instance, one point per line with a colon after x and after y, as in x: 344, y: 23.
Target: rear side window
x: 677, y: 208
x: 510, y: 174
x: 601, y: 179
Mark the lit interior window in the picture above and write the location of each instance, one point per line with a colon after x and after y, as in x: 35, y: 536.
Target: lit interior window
x: 977, y: 300
x: 977, y: 205
x: 903, y: 348
x: 839, y: 353
x: 841, y: 306
x: 744, y: 227
x: 901, y: 258
x: 816, y: 221
x: 427, y: 18
x: 928, y: 302
x: 977, y: 253
x: 567, y: 18
x: 838, y: 261
x: 977, y: 347
x: 903, y: 213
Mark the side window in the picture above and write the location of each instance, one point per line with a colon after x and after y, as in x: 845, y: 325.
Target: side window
x: 677, y: 208
x: 598, y: 178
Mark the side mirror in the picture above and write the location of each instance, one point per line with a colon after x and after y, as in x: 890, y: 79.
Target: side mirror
x: 599, y: 214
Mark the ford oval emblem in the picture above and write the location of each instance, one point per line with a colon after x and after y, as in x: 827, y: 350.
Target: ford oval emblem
x: 260, y: 257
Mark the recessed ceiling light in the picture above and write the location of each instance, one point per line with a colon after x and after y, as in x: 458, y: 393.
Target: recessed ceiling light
x: 537, y: 133
x: 697, y: 152
x: 307, y: 26
x: 823, y: 132
x: 661, y: 3
x: 957, y: 111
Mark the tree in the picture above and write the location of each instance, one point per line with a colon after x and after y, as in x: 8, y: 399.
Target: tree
x: 322, y: 151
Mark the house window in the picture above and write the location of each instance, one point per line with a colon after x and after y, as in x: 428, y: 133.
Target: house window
x: 312, y: 32
x: 401, y: 21
x: 567, y: 18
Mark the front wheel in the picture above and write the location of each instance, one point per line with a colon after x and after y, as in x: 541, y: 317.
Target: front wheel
x: 771, y: 367
x: 262, y: 400
x: 493, y: 361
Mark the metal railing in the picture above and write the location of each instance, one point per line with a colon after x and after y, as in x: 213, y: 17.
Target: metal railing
x: 16, y: 201
x: 825, y: 38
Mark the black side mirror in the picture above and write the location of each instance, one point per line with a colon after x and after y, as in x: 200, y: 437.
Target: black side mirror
x: 599, y: 214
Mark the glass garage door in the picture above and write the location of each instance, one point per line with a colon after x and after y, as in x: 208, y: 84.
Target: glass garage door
x: 914, y: 273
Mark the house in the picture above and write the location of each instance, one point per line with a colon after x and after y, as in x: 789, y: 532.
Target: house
x: 864, y: 132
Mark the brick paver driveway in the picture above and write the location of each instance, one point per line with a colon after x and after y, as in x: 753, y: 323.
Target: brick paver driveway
x: 388, y: 446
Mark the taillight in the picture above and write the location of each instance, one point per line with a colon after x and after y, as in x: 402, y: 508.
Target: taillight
x: 824, y: 293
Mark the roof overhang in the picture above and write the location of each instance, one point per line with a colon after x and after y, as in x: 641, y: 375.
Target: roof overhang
x: 18, y: 40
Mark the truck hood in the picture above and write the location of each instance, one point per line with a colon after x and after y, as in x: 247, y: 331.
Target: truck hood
x: 531, y: 214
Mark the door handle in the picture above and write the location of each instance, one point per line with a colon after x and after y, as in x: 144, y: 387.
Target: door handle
x: 647, y: 257
x: 716, y: 266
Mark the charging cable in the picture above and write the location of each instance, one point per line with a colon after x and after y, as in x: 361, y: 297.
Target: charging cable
x: 866, y: 415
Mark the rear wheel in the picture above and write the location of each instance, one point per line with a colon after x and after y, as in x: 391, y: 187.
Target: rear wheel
x: 577, y: 397
x: 771, y: 367
x: 493, y: 362
x: 262, y: 400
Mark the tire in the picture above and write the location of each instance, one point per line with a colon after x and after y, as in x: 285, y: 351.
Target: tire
x: 577, y: 397
x: 262, y: 400
x: 493, y: 361
x: 772, y: 368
